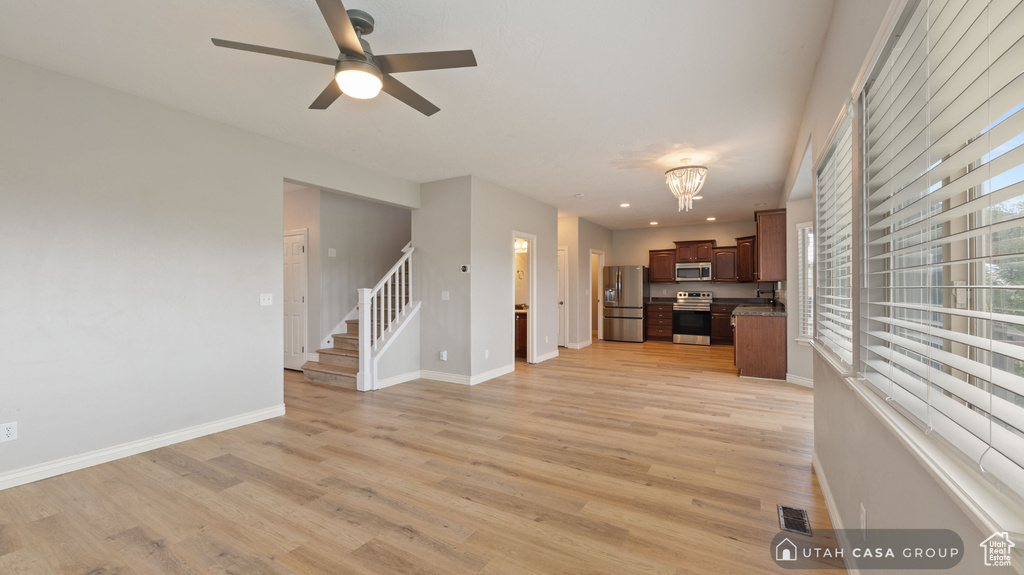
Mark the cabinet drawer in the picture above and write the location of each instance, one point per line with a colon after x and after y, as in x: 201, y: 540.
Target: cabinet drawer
x: 659, y: 322
x: 722, y: 309
x: 659, y: 308
x: 660, y: 315
x: 662, y: 331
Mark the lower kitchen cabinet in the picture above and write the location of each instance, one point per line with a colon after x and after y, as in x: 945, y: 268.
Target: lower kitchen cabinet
x: 761, y: 346
x: 521, y: 335
x: 721, y: 324
x: 659, y: 321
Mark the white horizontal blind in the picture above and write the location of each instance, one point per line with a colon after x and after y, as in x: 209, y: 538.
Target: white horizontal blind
x: 805, y: 281
x: 942, y: 311
x: 834, y: 318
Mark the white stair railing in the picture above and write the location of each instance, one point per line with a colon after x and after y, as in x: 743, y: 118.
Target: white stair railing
x: 380, y: 309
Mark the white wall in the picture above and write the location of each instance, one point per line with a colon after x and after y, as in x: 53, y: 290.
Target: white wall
x: 141, y: 238
x: 441, y: 236
x: 496, y: 213
x: 581, y: 236
x: 368, y: 238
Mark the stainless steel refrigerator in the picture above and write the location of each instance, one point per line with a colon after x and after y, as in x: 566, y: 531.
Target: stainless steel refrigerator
x: 625, y: 290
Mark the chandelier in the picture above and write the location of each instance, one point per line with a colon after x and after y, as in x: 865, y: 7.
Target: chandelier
x: 685, y: 182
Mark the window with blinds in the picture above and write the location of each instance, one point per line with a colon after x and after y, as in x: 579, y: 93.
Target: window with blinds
x: 942, y: 307
x: 834, y: 319
x: 805, y: 279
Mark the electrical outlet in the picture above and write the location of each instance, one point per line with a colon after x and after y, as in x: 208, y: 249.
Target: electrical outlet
x: 487, y: 353
x: 444, y: 355
x: 8, y: 431
x: 863, y: 517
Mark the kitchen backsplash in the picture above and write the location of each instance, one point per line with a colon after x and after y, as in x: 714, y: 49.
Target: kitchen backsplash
x: 720, y: 290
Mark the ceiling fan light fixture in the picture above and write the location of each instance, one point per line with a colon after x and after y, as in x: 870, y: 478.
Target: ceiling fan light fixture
x: 685, y: 182
x: 360, y: 80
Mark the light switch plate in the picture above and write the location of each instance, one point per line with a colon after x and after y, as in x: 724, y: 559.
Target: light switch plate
x: 332, y: 253
x: 445, y: 296
x: 266, y: 299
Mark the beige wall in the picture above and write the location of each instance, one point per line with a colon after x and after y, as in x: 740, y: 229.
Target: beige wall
x: 581, y: 237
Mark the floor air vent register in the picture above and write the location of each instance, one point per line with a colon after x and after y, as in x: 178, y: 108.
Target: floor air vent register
x: 795, y: 520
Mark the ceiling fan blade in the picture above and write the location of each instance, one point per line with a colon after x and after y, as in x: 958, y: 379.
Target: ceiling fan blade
x: 392, y: 63
x: 275, y: 52
x: 341, y: 27
x: 331, y: 93
x: 405, y: 94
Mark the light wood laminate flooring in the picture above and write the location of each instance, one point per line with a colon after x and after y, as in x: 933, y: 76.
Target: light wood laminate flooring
x: 617, y: 458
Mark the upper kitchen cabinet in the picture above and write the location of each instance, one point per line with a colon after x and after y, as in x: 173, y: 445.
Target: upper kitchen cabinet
x: 746, y: 259
x: 694, y: 251
x: 723, y: 265
x: 771, y: 245
x: 663, y: 267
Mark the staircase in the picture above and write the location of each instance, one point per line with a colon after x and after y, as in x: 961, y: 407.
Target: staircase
x: 351, y: 362
x: 338, y: 365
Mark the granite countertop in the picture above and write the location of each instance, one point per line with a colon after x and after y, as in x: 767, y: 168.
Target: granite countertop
x: 740, y: 300
x: 760, y: 309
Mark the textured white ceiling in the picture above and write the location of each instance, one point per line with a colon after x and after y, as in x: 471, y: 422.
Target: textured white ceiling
x: 570, y: 96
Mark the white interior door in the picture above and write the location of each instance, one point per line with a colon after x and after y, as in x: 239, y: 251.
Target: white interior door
x: 294, y: 299
x: 563, y: 292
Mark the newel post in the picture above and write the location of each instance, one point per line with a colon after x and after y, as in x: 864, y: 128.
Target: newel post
x: 365, y: 379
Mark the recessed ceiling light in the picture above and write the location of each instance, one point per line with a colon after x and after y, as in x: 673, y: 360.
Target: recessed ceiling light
x: 623, y: 205
x: 698, y: 197
x: 711, y: 219
x: 759, y: 204
x: 581, y: 195
x: 654, y: 223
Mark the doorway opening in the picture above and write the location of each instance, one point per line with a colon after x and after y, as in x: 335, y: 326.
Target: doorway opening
x: 524, y: 287
x: 596, y: 288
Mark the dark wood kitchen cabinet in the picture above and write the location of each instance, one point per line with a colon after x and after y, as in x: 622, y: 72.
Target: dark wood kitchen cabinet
x: 659, y: 321
x: 694, y: 251
x: 662, y: 267
x: 761, y: 346
x: 771, y: 245
x: 723, y: 265
x: 721, y: 323
x: 746, y: 259
x: 521, y: 334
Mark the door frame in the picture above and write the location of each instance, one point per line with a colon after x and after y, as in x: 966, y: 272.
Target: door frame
x: 531, y: 294
x: 600, y: 291
x: 563, y: 312
x: 304, y: 232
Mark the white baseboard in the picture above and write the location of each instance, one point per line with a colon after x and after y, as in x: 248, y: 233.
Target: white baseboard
x: 445, y: 377
x: 833, y: 510
x: 76, y: 462
x: 579, y: 345
x: 465, y: 379
x: 389, y: 381
x: 488, y: 375
x: 546, y: 356
x: 803, y: 381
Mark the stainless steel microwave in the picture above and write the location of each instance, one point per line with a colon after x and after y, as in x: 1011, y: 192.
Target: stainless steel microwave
x: 693, y: 272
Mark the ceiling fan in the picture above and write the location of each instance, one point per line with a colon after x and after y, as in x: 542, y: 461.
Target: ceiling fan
x: 359, y: 72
